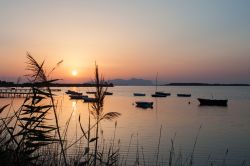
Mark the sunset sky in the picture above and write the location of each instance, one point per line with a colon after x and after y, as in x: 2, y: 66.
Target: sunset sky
x: 184, y: 41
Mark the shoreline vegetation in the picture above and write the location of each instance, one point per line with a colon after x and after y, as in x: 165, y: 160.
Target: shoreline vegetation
x: 11, y: 84
x: 203, y: 84
x: 29, y: 137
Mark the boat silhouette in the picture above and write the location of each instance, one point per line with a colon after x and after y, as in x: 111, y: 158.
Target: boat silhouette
x: 212, y: 102
x: 144, y: 104
x: 183, y: 95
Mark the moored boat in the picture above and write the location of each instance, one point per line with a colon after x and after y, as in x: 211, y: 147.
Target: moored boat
x: 144, y: 104
x: 89, y: 100
x: 105, y: 93
x: 90, y: 92
x: 139, y: 94
x: 78, y: 97
x: 183, y: 95
x: 212, y: 102
x: 160, y: 94
x: 71, y: 92
x: 108, y: 93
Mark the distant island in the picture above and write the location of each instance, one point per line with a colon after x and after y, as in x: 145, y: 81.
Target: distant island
x: 203, y: 84
x: 131, y: 82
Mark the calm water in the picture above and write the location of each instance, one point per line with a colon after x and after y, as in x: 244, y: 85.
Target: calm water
x: 222, y: 127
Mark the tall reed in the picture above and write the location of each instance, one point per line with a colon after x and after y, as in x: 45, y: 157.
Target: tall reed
x: 97, y: 108
x: 27, y: 130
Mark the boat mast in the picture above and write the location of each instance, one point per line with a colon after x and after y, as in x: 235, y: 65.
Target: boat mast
x: 156, y: 79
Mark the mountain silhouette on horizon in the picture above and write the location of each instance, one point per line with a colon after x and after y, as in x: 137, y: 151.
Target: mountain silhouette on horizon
x: 131, y: 82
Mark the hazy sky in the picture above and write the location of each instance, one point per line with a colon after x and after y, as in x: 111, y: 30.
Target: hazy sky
x: 184, y: 41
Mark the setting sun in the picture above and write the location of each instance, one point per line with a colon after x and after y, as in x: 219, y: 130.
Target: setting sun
x: 74, y: 72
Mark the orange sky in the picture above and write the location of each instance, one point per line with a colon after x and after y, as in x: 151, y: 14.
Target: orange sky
x: 183, y: 42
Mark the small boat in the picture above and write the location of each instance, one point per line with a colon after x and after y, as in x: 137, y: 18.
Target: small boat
x: 139, y: 94
x: 183, y: 95
x: 78, y: 97
x: 56, y: 90
x: 105, y: 93
x: 71, y: 92
x: 91, y: 92
x: 108, y: 93
x: 89, y: 100
x: 160, y: 94
x: 212, y: 102
x: 144, y: 104
x: 163, y: 93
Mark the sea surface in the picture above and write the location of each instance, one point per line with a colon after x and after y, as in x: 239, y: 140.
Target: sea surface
x: 222, y: 133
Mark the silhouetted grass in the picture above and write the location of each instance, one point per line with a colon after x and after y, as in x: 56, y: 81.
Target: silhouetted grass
x: 27, y: 139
